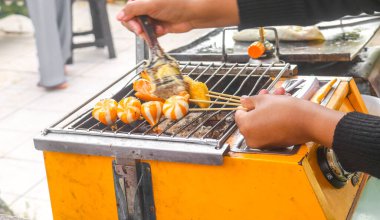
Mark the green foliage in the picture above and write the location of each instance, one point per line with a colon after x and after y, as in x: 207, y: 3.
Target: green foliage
x: 8, y: 7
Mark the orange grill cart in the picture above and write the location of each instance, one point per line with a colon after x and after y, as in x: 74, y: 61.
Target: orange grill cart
x: 95, y: 172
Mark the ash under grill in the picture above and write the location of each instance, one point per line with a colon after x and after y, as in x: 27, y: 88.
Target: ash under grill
x: 195, y: 137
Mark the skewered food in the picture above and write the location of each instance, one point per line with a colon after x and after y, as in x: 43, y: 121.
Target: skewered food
x: 145, y: 75
x: 198, y: 91
x: 128, y: 110
x: 144, y: 90
x: 142, y: 85
x: 145, y: 87
x: 152, y: 111
x: 162, y: 68
x: 105, y: 111
x: 175, y: 107
x: 185, y: 94
x: 167, y: 79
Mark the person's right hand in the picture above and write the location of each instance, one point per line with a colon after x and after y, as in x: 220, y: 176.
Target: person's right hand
x: 279, y: 120
x: 176, y: 16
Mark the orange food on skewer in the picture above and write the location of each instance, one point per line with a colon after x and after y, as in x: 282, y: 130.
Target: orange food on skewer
x: 152, y: 111
x: 144, y: 90
x: 198, y: 91
x: 142, y: 85
x: 176, y: 107
x: 185, y: 95
x: 105, y: 111
x: 129, y: 110
x: 145, y: 76
x: 256, y: 49
x: 148, y: 97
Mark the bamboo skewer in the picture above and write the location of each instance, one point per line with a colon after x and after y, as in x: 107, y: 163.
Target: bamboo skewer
x: 215, y: 102
x: 230, y: 100
x: 225, y: 95
x: 223, y: 98
x: 216, y: 109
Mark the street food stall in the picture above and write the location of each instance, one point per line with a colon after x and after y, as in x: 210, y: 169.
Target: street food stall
x: 199, y: 166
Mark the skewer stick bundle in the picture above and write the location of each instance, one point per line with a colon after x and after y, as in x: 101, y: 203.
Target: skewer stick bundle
x: 224, y: 98
x: 224, y: 95
x: 216, y: 109
x: 215, y: 102
x: 230, y: 100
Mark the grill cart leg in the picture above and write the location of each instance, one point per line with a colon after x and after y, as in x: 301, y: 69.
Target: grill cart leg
x: 133, y: 187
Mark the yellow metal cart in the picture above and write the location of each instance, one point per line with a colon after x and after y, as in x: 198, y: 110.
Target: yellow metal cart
x: 100, y: 175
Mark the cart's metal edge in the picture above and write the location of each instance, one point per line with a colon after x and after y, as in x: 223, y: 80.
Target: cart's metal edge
x: 131, y: 148
x: 243, y: 58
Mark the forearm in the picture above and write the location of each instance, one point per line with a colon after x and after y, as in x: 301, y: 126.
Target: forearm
x: 256, y: 13
x: 322, y: 124
x: 357, y: 143
x: 355, y: 137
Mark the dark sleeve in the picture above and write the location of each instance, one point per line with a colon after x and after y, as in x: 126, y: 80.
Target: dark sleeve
x: 357, y: 143
x: 257, y: 13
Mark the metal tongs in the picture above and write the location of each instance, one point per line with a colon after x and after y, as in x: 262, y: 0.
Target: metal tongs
x: 162, y: 68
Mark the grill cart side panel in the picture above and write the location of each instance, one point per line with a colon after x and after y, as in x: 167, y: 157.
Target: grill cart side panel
x: 80, y: 186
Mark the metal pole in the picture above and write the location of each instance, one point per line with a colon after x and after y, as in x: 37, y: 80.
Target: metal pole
x: 142, y: 50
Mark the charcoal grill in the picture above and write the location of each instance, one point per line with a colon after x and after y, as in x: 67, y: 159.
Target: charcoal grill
x: 200, y: 137
x: 134, y: 172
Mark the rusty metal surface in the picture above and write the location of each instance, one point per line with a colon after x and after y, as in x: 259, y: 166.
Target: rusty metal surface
x: 343, y: 43
x: 337, y: 47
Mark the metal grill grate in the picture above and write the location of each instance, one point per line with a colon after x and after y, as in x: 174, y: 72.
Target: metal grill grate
x: 209, y: 128
x: 200, y: 137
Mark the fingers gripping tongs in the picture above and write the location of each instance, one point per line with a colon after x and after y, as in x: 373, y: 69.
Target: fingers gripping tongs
x: 162, y: 68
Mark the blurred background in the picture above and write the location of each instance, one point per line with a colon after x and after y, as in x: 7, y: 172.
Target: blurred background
x: 33, y: 94
x: 26, y: 109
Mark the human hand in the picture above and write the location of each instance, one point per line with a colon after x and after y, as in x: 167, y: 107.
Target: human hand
x: 176, y: 16
x: 278, y: 91
x: 279, y: 121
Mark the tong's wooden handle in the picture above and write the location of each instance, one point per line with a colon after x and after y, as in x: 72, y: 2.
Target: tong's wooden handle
x: 148, y: 27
